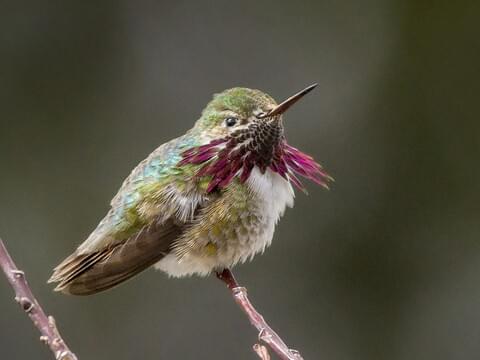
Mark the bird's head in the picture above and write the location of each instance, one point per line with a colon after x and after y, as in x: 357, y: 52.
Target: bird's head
x: 243, y: 129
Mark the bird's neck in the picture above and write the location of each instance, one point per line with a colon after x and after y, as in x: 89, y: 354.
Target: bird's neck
x: 227, y: 158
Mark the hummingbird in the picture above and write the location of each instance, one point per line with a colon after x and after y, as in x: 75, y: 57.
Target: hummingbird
x: 200, y: 203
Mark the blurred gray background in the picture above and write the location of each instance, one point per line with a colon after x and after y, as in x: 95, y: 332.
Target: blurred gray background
x: 384, y: 266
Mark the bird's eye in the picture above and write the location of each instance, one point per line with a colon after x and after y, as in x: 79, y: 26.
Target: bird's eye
x: 230, y: 121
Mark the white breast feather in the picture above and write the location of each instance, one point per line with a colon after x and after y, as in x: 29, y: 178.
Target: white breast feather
x: 275, y: 191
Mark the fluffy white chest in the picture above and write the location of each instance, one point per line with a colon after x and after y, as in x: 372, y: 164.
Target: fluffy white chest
x: 272, y: 195
x: 273, y: 192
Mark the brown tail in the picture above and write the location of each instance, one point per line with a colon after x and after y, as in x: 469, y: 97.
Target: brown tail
x: 85, y: 274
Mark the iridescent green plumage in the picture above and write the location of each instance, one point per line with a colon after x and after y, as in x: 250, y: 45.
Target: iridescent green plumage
x: 144, y: 187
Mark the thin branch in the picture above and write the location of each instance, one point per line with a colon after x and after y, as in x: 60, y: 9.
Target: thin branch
x: 24, y: 296
x: 266, y: 334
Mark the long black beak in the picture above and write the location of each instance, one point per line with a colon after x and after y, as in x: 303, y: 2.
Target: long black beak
x: 285, y: 105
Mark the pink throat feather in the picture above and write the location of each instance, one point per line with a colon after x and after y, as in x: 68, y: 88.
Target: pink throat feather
x: 222, y: 160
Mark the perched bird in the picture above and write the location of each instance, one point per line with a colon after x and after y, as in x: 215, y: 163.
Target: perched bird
x: 204, y: 201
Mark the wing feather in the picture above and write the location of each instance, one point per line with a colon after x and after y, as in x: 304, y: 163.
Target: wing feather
x: 85, y: 274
